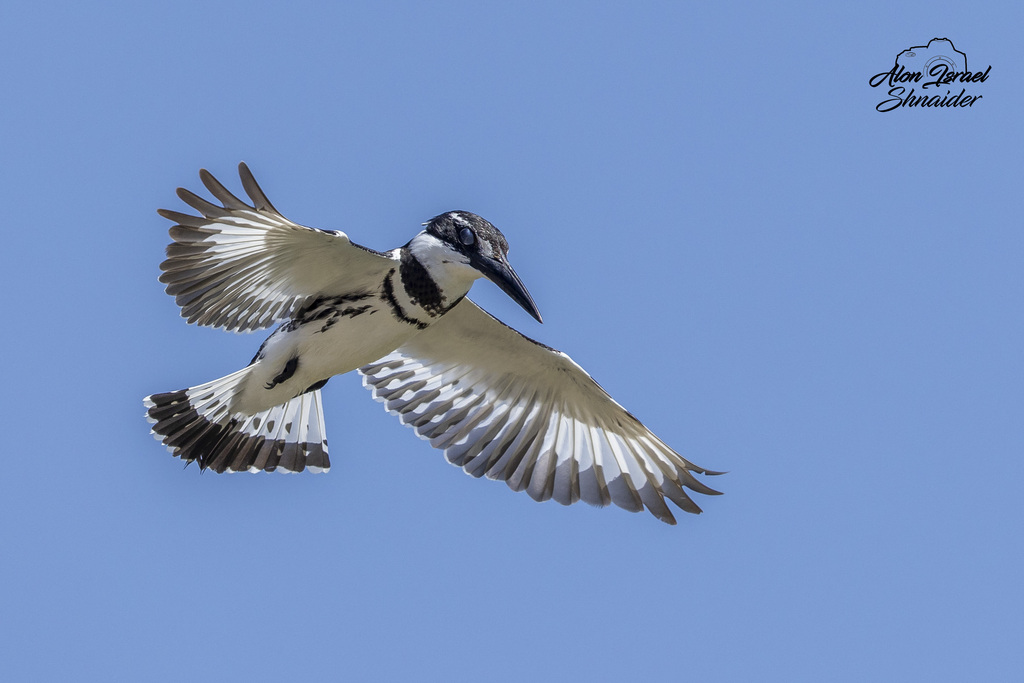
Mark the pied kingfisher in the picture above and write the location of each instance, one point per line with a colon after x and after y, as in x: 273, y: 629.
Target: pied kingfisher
x: 497, y: 403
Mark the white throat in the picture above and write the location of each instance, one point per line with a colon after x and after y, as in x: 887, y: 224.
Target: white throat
x: 448, y: 268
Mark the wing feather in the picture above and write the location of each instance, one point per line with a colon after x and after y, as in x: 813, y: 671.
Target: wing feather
x: 244, y: 267
x: 221, y: 193
x: 503, y: 406
x: 255, y: 192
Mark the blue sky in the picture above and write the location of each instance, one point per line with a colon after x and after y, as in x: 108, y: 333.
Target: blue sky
x: 714, y: 220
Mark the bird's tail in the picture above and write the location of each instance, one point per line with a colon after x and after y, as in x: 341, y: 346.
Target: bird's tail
x: 196, y: 424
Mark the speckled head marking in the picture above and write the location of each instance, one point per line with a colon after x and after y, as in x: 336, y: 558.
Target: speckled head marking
x: 468, y: 233
x: 481, y: 246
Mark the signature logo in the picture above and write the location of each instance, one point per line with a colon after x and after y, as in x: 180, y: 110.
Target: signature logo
x: 927, y: 70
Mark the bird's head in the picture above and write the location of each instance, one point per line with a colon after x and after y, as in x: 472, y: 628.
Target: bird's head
x: 474, y: 242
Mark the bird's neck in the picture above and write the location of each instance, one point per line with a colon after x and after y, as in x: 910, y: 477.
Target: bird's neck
x: 432, y: 276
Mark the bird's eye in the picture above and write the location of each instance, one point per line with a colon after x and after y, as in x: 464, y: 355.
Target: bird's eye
x: 467, y: 237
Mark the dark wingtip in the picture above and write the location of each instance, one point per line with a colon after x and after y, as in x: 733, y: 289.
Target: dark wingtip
x: 253, y: 189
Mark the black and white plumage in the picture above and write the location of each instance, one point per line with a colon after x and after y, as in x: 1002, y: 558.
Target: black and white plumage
x: 497, y: 403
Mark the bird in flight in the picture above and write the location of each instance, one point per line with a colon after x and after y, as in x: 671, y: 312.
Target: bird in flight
x: 497, y: 403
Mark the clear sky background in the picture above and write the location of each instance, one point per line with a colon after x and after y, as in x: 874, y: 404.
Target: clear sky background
x: 779, y: 280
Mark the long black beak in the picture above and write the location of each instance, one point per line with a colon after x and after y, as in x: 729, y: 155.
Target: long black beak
x: 500, y: 273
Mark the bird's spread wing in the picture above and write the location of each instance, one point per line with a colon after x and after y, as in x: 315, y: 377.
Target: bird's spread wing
x: 245, y: 267
x: 503, y: 406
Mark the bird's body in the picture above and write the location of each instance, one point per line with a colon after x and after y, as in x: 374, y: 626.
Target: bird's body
x: 339, y: 332
x: 498, y: 403
x: 334, y: 337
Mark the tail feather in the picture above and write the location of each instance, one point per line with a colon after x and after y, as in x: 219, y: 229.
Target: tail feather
x: 196, y: 424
